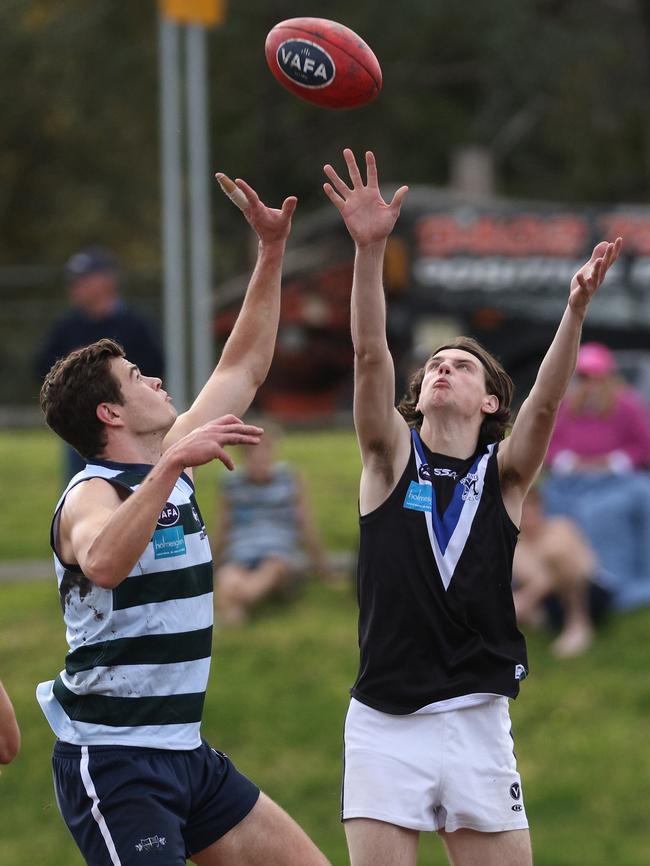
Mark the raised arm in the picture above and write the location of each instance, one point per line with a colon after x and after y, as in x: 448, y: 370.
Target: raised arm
x: 105, y: 533
x: 248, y: 352
x: 370, y: 220
x: 522, y: 454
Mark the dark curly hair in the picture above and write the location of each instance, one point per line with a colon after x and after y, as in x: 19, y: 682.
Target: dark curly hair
x: 73, y: 389
x: 497, y: 381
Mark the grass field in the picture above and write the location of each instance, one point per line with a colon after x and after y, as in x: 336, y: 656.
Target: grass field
x: 30, y: 465
x: 278, y: 693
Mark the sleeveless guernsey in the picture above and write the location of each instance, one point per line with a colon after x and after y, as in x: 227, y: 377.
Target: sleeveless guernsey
x: 437, y: 620
x: 139, y: 658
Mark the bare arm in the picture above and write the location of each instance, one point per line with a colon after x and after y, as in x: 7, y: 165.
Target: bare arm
x: 9, y: 731
x: 106, y: 535
x: 248, y: 352
x: 523, y: 452
x: 380, y: 429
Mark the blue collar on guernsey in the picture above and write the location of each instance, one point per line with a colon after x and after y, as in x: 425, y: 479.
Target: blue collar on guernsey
x: 143, y: 468
x: 448, y: 534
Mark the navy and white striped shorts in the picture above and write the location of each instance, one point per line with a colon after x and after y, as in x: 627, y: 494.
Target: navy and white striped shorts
x: 131, y: 806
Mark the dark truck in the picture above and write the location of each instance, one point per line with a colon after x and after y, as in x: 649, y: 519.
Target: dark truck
x: 496, y: 269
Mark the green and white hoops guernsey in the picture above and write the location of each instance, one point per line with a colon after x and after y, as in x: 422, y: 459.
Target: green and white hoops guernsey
x: 139, y: 657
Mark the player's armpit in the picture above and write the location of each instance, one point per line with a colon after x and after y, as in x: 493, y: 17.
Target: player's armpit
x: 384, y: 459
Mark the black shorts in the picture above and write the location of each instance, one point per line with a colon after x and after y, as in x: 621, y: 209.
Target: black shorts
x: 121, y: 803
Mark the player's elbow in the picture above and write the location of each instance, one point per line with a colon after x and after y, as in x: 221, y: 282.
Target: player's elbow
x: 102, y: 573
x: 257, y: 378
x: 545, y: 415
x: 371, y: 353
x: 545, y: 402
x: 541, y: 408
x: 105, y: 580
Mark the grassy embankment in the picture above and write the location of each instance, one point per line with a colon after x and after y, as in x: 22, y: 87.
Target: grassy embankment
x: 278, y: 692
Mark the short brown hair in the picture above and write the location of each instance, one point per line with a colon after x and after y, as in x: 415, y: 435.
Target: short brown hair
x: 497, y: 381
x: 73, y: 389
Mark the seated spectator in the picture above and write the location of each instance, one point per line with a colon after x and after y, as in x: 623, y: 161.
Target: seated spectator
x: 9, y: 732
x: 265, y: 519
x: 598, y: 456
x: 555, y: 575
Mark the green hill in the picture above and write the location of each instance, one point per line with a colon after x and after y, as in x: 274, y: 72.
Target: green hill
x: 278, y: 695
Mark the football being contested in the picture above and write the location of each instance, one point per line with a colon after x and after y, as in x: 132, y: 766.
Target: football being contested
x: 323, y: 62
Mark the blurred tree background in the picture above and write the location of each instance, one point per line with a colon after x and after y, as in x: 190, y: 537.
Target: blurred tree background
x: 555, y: 92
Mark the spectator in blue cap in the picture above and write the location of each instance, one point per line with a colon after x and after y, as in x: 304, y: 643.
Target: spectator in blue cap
x: 98, y: 310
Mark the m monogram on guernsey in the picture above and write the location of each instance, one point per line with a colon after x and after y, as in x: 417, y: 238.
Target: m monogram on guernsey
x: 139, y: 658
x: 437, y: 626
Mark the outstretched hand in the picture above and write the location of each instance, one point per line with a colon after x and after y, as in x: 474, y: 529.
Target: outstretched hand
x: 207, y: 442
x: 270, y: 224
x: 368, y: 217
x: 592, y: 273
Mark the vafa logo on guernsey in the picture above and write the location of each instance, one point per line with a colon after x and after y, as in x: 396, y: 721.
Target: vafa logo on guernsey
x: 169, y: 516
x: 306, y: 63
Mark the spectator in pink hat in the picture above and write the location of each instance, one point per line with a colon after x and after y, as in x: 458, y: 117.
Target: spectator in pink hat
x: 595, y: 359
x: 598, y: 460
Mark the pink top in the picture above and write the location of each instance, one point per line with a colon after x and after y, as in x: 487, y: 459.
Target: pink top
x: 626, y: 430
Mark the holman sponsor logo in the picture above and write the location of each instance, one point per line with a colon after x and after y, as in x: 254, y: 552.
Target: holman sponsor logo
x: 169, y: 542
x: 418, y: 497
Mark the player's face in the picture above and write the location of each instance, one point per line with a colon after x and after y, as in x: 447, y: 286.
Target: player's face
x: 147, y: 407
x: 455, y: 379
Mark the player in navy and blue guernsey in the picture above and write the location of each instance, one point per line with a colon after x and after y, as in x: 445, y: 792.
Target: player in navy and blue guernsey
x: 134, y: 780
x: 428, y: 744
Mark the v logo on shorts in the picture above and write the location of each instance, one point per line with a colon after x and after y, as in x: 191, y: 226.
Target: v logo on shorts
x: 448, y: 534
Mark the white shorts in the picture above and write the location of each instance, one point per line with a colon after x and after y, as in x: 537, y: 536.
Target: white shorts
x: 434, y: 771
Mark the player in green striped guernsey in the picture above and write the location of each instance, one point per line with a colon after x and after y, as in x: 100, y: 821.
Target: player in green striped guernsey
x: 132, y: 774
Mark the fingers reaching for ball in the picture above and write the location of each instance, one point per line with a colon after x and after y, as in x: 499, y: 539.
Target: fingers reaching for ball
x: 367, y: 216
x: 234, y: 193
